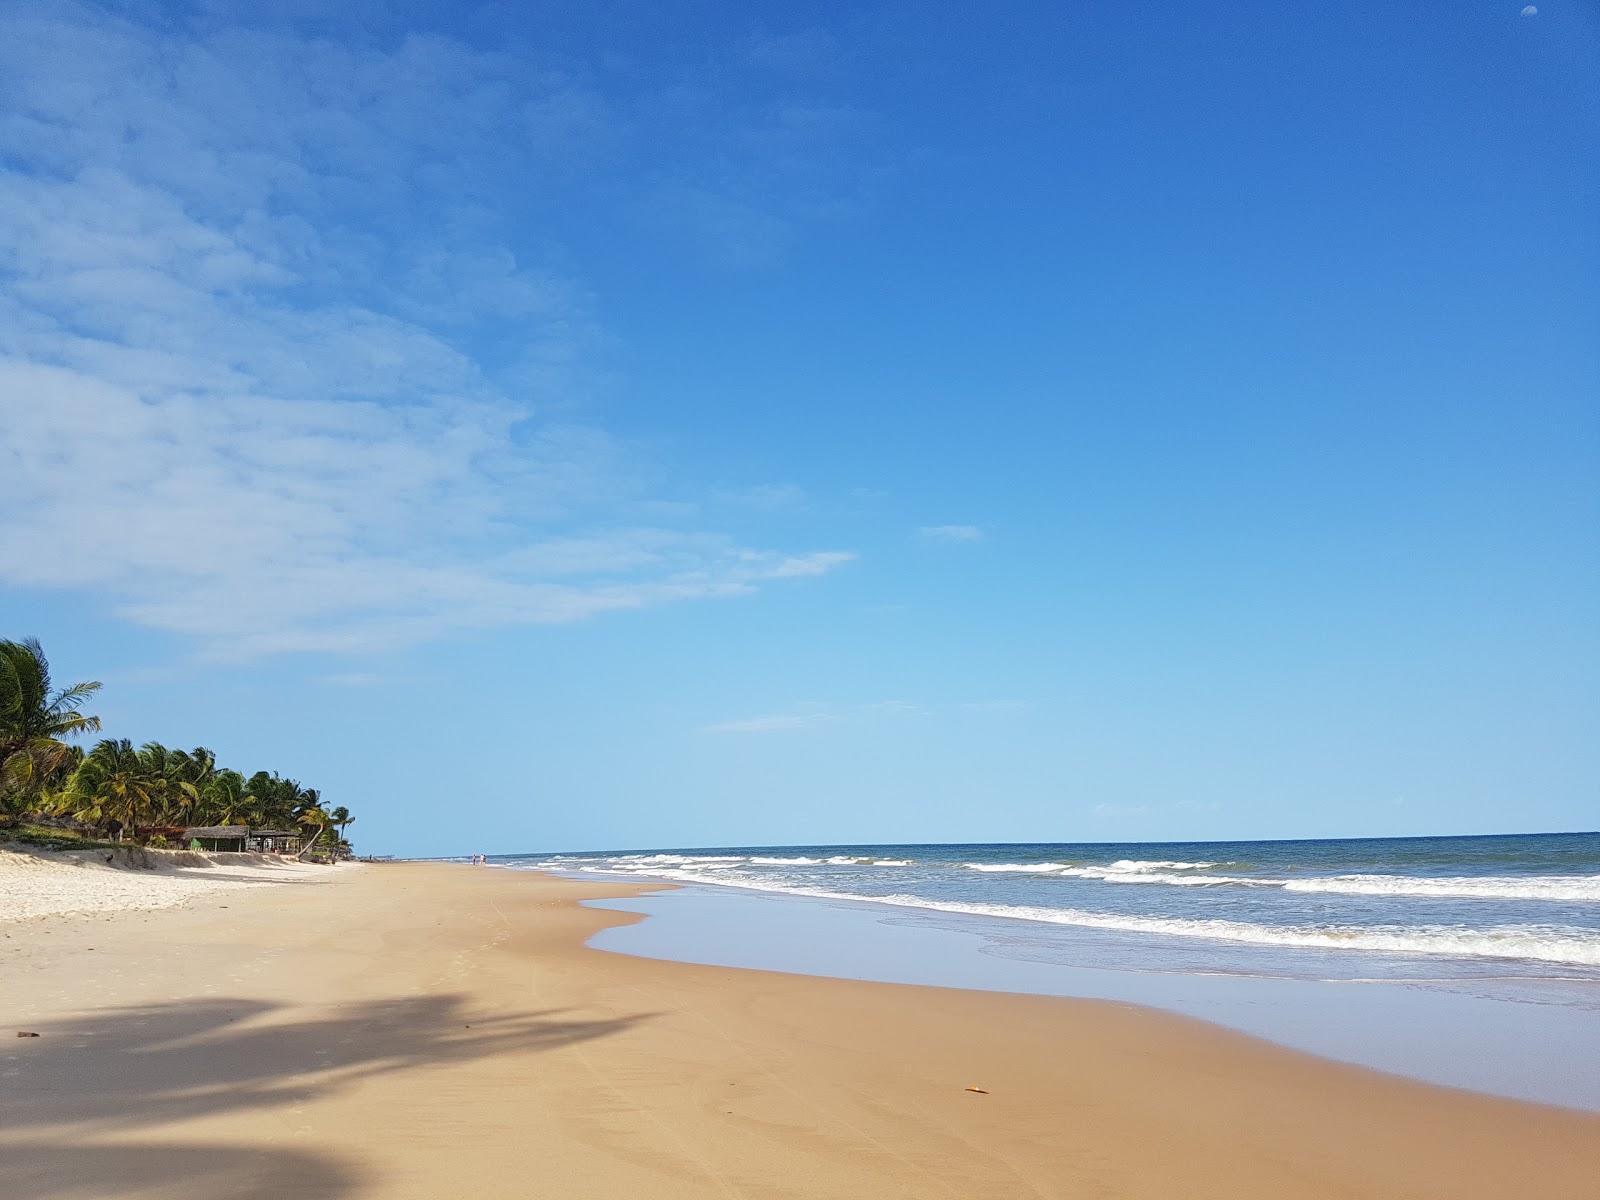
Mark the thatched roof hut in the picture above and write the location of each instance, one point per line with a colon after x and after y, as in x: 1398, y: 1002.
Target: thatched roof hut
x: 215, y: 837
x: 275, y: 841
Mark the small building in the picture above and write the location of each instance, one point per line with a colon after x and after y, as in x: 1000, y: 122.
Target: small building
x: 215, y: 837
x: 274, y: 841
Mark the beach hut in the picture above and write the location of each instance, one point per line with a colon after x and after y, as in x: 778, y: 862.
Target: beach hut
x: 215, y: 837
x: 274, y: 841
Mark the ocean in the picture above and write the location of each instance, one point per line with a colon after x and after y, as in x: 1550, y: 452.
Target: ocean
x: 1467, y: 961
x: 1518, y: 907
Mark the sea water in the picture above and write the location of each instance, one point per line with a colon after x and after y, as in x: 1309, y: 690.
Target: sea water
x: 1511, y: 907
x: 1469, y: 961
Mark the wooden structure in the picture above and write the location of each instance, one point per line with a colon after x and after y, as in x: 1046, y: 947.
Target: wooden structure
x: 274, y: 841
x: 215, y: 837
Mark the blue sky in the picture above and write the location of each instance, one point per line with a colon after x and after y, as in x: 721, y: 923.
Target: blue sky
x: 723, y: 424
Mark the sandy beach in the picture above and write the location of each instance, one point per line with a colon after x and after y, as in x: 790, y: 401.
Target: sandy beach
x: 84, y: 883
x: 425, y: 1030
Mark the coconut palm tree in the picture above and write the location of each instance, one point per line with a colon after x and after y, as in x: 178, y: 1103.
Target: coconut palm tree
x: 114, y: 786
x: 156, y: 762
x: 225, y: 800
x: 181, y: 776
x: 191, y: 772
x: 342, y: 818
x: 276, y: 803
x: 310, y: 813
x: 197, y: 766
x: 34, y: 718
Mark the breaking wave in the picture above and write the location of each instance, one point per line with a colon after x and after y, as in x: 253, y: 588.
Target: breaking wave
x: 1536, y: 943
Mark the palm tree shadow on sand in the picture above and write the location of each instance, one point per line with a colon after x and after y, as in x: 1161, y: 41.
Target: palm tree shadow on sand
x: 76, y: 1103
x: 58, y: 1171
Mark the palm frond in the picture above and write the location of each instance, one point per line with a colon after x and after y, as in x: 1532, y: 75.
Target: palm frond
x: 72, y: 698
x: 17, y: 770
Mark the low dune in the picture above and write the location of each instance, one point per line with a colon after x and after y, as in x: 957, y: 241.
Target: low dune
x: 38, y: 883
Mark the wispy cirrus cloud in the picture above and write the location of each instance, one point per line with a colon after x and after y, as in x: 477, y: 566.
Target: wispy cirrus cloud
x: 951, y: 534
x: 780, y: 723
x: 811, y: 715
x: 262, y: 525
x: 275, y: 371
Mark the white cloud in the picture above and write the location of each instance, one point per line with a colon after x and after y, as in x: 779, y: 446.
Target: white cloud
x: 783, y: 723
x: 892, y: 708
x: 271, y: 374
x: 951, y: 533
x: 264, y: 525
x: 806, y: 716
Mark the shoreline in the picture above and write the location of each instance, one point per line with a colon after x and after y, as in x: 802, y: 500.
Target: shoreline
x: 420, y: 1030
x: 1511, y: 1037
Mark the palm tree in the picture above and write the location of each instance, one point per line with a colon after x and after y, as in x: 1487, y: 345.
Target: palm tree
x: 156, y: 763
x: 197, y: 766
x: 342, y: 818
x: 225, y: 800
x: 181, y: 775
x: 309, y: 812
x: 192, y: 772
x: 114, y: 786
x: 34, y: 718
x: 277, y: 800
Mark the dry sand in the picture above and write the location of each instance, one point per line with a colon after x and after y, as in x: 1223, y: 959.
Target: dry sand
x: 39, y: 884
x: 435, y: 1031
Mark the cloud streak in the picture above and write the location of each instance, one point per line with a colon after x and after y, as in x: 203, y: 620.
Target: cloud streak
x: 785, y: 723
x: 808, y: 716
x: 272, y: 374
x: 263, y: 525
x: 951, y: 534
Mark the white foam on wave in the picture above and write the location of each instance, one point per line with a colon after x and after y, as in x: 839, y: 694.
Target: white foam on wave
x: 654, y: 870
x: 1486, y: 887
x: 1179, y: 874
x: 1509, y: 887
x: 1135, y: 865
x: 1555, y: 888
x: 1023, y: 868
x: 1183, y: 880
x: 1122, y: 868
x: 1550, y: 944
x: 1539, y: 943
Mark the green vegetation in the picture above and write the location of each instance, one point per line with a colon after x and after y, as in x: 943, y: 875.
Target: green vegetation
x: 50, y: 837
x: 148, y: 794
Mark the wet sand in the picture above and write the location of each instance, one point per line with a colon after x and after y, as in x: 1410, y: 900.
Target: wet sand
x: 428, y: 1031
